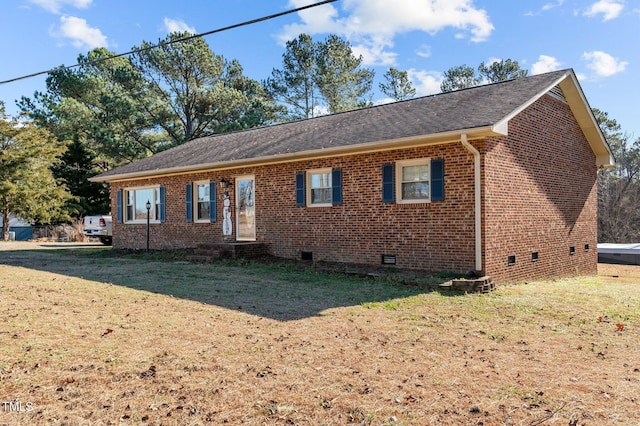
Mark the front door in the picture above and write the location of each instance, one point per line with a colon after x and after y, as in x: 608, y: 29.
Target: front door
x: 245, y: 208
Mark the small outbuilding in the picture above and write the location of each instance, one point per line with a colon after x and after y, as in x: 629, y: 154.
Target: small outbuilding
x: 621, y: 254
x: 19, y: 230
x: 498, y: 179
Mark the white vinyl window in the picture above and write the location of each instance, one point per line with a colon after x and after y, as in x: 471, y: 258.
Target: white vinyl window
x: 136, y: 199
x: 202, y: 204
x: 413, y: 181
x: 319, y: 189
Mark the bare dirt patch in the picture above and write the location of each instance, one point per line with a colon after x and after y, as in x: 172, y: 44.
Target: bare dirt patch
x: 93, y: 339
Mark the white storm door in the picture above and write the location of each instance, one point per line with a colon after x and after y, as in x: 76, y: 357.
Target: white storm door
x: 245, y: 208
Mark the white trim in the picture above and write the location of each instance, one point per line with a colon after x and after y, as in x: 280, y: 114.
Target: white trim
x: 309, y: 175
x: 154, y: 205
x: 587, y: 121
x: 408, y: 163
x: 194, y: 201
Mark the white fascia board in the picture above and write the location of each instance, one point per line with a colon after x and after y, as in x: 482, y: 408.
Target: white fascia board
x: 587, y: 121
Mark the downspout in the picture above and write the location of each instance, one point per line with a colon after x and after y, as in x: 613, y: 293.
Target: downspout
x: 478, y: 199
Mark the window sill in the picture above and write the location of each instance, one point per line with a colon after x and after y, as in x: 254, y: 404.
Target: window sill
x: 413, y: 201
x: 141, y: 222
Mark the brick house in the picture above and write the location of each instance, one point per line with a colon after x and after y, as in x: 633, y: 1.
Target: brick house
x: 498, y: 178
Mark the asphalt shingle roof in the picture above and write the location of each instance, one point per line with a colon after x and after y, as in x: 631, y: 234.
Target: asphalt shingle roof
x: 466, y: 109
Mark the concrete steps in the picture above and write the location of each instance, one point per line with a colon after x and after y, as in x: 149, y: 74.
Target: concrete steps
x: 472, y: 285
x: 210, y: 252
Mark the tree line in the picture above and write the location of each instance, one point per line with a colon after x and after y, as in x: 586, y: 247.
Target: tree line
x: 111, y: 111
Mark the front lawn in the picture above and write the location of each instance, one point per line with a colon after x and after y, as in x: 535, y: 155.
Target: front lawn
x: 88, y: 337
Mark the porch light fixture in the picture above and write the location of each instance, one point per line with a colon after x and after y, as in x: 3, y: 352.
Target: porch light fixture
x: 224, y: 183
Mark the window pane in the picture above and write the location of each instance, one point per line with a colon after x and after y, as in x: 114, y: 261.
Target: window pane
x: 141, y: 198
x: 202, y: 195
x: 156, y: 208
x: 203, y: 192
x: 129, y: 214
x: 415, y: 173
x: 321, y: 180
x: 319, y: 196
x: 203, y: 211
x: 415, y: 191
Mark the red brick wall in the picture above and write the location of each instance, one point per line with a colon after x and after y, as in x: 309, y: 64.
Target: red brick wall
x: 434, y: 236
x: 540, y: 196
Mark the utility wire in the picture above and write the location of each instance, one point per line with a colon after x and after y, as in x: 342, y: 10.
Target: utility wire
x: 230, y: 27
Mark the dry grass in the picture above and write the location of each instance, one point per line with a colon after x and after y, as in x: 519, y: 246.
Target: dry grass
x: 94, y: 339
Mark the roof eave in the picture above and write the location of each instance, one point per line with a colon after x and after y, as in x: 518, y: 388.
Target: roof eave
x: 384, y: 145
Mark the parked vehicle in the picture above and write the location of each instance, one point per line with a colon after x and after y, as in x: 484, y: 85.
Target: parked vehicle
x: 100, y: 227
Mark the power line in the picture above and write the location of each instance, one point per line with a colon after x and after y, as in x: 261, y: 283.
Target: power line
x: 190, y: 37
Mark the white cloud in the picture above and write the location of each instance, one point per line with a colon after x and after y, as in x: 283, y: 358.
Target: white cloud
x: 546, y: 7
x: 603, y: 64
x: 581, y: 76
x: 550, y: 6
x: 80, y: 33
x: 425, y: 82
x: 373, y: 51
x: 177, y: 26
x: 384, y: 101
x: 609, y: 9
x: 371, y: 25
x: 424, y: 52
x: 54, y: 6
x: 545, y: 64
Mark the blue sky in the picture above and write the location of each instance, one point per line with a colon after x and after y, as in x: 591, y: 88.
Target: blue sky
x: 423, y: 37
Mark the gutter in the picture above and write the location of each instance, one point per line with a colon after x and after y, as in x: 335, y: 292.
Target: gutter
x: 478, y: 199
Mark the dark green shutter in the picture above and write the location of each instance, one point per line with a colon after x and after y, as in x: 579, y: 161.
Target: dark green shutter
x: 437, y: 179
x: 212, y: 201
x: 336, y: 183
x: 189, y: 200
x: 388, y: 183
x: 119, y: 205
x: 300, y: 195
x: 162, y: 204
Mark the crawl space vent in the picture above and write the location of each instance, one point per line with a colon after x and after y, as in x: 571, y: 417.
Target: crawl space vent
x: 388, y: 259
